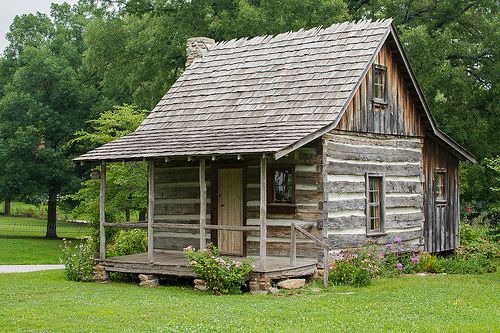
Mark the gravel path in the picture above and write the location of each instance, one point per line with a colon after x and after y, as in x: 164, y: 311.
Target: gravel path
x: 27, y: 268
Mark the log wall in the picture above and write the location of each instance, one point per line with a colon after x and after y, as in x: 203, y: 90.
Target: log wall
x: 441, y: 227
x: 349, y: 158
x: 177, y: 200
x: 308, y: 200
x: 398, y: 117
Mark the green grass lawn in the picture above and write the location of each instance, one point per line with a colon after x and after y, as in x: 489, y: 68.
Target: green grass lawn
x: 46, y: 301
x: 21, y: 250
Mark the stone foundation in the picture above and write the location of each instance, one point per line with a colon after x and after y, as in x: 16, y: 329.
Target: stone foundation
x: 100, y: 274
x: 148, y: 280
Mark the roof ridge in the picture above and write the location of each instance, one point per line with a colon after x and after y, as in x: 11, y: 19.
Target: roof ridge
x: 302, y: 33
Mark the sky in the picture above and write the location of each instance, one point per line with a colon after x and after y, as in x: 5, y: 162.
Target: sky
x: 10, y: 8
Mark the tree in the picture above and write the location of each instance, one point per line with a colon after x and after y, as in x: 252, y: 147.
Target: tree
x: 50, y: 96
x: 126, y: 184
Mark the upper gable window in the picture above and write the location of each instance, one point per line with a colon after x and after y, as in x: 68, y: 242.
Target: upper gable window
x: 379, y: 84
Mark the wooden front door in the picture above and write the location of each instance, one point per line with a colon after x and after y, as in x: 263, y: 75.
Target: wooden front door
x: 230, y: 210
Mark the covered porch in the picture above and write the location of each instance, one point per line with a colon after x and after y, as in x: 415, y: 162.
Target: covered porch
x: 227, y: 235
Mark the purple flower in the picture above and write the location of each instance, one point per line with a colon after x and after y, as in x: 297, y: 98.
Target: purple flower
x: 388, y: 245
x: 415, y: 259
x: 399, y: 266
x: 397, y: 240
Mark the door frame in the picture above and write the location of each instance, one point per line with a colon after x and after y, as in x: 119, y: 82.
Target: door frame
x: 214, y: 204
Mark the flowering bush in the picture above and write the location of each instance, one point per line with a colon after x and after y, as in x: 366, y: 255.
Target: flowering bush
x: 353, y: 271
x: 222, y: 275
x: 78, y: 260
x: 128, y: 242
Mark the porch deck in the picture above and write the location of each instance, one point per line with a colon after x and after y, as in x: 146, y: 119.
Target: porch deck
x: 174, y: 263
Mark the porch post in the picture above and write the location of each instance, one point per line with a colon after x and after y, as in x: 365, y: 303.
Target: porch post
x: 263, y: 212
x: 151, y: 208
x: 102, y: 213
x: 203, y: 205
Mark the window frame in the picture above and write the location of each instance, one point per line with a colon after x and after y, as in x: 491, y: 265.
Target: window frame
x: 381, y: 203
x: 440, y: 199
x: 279, y: 207
x: 376, y: 99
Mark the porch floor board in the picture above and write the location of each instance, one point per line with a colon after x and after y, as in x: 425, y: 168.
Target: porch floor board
x: 174, y: 263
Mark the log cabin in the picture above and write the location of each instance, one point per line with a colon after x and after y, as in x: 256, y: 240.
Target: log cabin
x: 288, y: 149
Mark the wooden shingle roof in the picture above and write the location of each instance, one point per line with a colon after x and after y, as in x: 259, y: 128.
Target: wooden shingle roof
x: 258, y: 95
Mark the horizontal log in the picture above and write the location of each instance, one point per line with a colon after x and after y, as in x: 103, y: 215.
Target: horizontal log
x: 404, y: 201
x: 232, y: 227
x: 374, y: 153
x: 399, y: 186
x: 169, y: 226
x: 335, y: 206
x: 126, y: 225
x: 345, y: 168
x: 374, y: 140
x: 342, y: 241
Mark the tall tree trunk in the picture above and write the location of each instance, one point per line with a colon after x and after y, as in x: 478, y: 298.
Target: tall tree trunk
x: 142, y: 215
x: 6, y: 210
x: 52, y: 215
x: 127, y: 215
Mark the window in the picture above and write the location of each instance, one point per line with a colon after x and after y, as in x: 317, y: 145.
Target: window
x: 281, y: 188
x: 379, y: 84
x: 440, y: 185
x: 375, y: 208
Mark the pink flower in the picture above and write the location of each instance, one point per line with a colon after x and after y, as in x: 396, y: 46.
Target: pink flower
x: 397, y: 240
x: 189, y: 248
x: 468, y: 210
x: 388, y: 245
x: 415, y: 259
x: 399, y: 266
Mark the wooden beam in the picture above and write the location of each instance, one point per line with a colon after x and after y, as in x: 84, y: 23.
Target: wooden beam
x: 293, y: 245
x: 151, y: 208
x: 324, y: 175
x: 127, y: 225
x: 102, y: 213
x: 203, y: 205
x: 232, y: 227
x: 263, y: 212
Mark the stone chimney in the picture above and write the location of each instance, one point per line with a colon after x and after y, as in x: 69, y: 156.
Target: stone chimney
x: 196, y: 46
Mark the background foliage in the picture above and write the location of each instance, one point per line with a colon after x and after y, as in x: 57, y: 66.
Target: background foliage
x: 64, y: 69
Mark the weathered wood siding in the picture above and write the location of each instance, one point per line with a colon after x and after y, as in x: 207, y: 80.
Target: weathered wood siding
x: 349, y: 158
x: 398, y: 117
x: 441, y: 226
x: 308, y: 199
x: 177, y: 200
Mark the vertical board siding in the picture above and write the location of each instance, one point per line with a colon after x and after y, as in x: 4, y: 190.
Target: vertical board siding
x: 349, y: 158
x: 398, y: 117
x: 441, y: 220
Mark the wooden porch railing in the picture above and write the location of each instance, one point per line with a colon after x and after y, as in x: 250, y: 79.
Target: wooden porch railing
x: 318, y: 241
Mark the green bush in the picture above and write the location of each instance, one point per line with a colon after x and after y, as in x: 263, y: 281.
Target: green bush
x: 78, y: 260
x: 465, y: 265
x: 427, y: 263
x: 128, y: 242
x: 353, y: 271
x: 477, y: 240
x: 222, y: 276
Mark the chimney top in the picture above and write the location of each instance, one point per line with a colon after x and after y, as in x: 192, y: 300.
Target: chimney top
x: 196, y: 46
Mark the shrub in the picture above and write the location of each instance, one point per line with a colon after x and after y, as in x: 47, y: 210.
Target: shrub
x: 350, y: 272
x: 78, y: 260
x: 221, y: 275
x: 427, y: 263
x: 477, y: 240
x: 128, y: 242
x: 465, y: 265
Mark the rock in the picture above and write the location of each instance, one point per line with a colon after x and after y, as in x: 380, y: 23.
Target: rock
x: 253, y: 285
x: 200, y: 287
x: 259, y: 292
x: 264, y: 286
x: 148, y: 280
x: 274, y: 290
x: 292, y: 283
x: 199, y: 281
x: 320, y: 272
x: 99, y: 273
